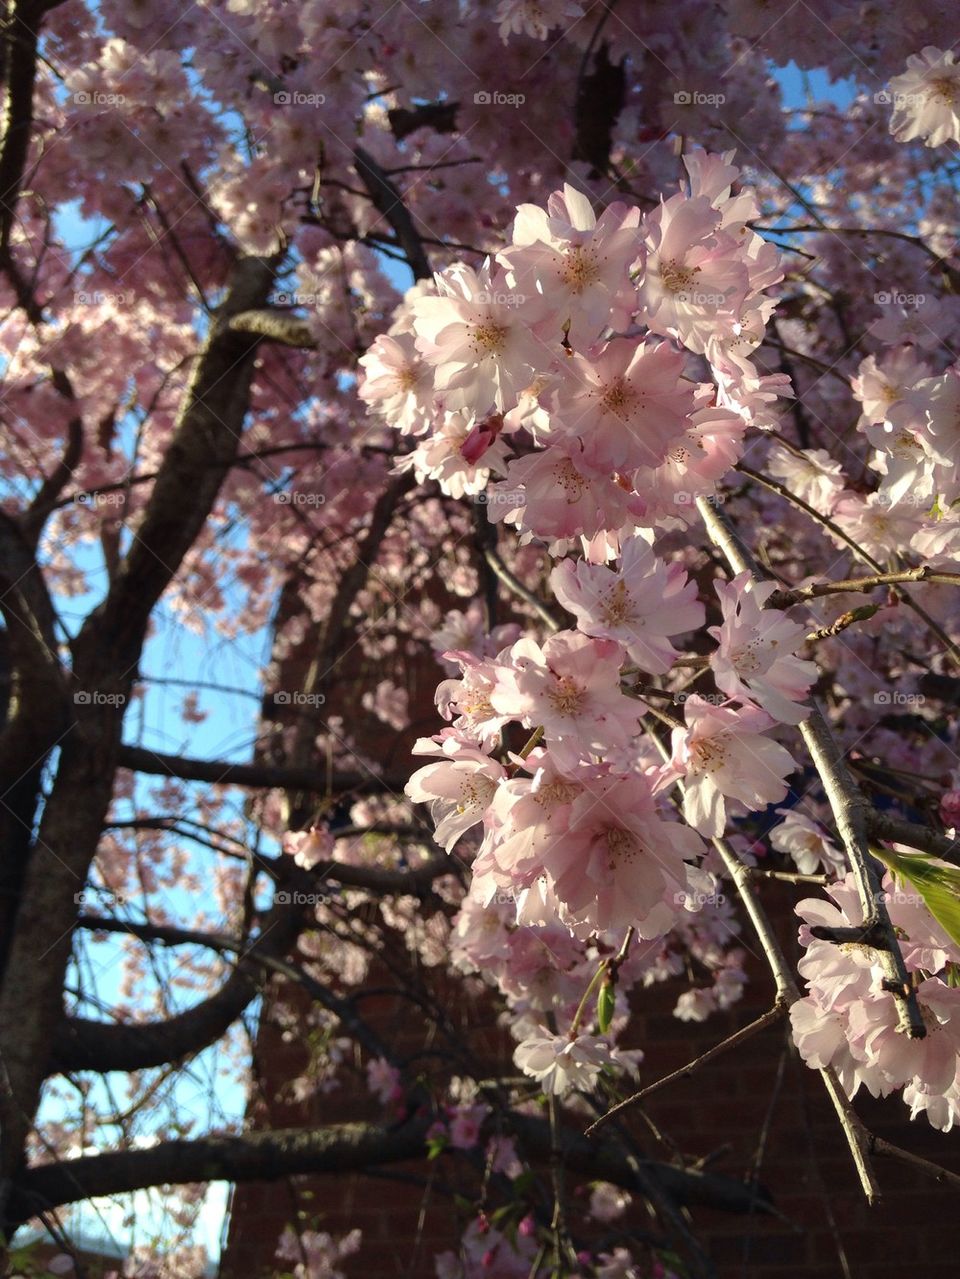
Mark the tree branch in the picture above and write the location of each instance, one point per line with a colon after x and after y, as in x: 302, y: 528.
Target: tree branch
x: 389, y: 202
x: 899, y: 831
x: 338, y: 1149
x: 847, y: 802
x: 275, y: 326
x: 255, y: 776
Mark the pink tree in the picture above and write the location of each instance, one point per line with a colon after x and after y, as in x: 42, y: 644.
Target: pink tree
x: 547, y: 354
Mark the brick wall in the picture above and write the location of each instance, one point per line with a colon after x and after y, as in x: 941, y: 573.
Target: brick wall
x: 759, y: 1106
x: 718, y: 1115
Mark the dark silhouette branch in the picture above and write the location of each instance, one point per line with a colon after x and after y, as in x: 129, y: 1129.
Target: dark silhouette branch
x: 255, y: 776
x: 342, y: 1148
x: 388, y: 200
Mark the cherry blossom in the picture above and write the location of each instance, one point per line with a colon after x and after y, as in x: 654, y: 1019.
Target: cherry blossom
x: 639, y: 605
x: 308, y: 848
x: 722, y: 754
x: 807, y: 843
x: 482, y: 351
x: 753, y: 660
x: 849, y: 1020
x: 560, y: 1064
x: 459, y: 787
x: 926, y: 98
x: 572, y: 268
x: 570, y: 687
x: 628, y: 403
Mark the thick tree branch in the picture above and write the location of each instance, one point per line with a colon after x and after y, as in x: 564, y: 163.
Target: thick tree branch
x: 45, y: 501
x: 342, y: 1148
x: 275, y: 326
x: 36, y: 714
x: 82, y: 1044
x: 255, y: 776
x: 439, y: 116
x: 389, y: 202
x: 204, y: 447
x: 19, y: 55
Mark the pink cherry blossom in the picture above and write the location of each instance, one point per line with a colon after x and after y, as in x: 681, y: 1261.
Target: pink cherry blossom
x: 383, y: 1080
x: 639, y: 605
x: 926, y: 98
x: 560, y: 1064
x: 397, y: 383
x: 570, y: 687
x: 571, y: 267
x: 627, y: 402
x: 722, y: 754
x: 309, y: 847
x: 459, y: 788
x: 807, y: 843
x: 558, y: 493
x: 481, y: 348
x: 694, y: 272
x: 754, y: 659
x: 619, y: 863
x: 811, y: 474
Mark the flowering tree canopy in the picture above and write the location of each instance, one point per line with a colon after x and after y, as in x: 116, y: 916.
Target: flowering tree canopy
x: 548, y: 415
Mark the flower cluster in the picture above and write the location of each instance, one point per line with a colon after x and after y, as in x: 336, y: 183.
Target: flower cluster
x: 849, y: 1021
x: 560, y: 364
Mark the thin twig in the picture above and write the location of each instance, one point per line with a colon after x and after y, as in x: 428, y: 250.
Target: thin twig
x: 746, y: 1032
x: 825, y: 522
x: 513, y: 582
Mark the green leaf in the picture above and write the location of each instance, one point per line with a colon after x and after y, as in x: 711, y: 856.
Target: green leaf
x: 436, y: 1146
x: 936, y: 882
x: 606, y: 1003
